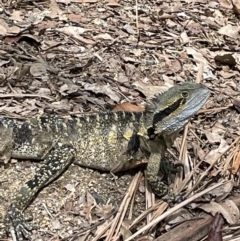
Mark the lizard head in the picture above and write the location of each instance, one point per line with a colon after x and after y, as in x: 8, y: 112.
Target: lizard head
x: 167, y: 113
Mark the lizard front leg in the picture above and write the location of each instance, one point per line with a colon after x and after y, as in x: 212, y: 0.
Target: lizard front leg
x: 54, y: 165
x: 153, y: 167
x: 156, y: 164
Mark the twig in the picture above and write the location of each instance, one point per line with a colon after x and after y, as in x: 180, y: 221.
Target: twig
x: 145, y: 213
x: 25, y: 95
x: 149, y: 197
x: 117, y: 222
x: 104, y: 230
x: 212, y: 164
x: 200, y: 73
x: 215, y: 109
x: 137, y: 18
x: 170, y: 211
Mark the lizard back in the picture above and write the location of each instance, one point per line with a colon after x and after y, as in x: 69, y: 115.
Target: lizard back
x: 98, y: 139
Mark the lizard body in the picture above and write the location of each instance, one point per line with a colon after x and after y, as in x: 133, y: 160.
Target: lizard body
x: 111, y: 141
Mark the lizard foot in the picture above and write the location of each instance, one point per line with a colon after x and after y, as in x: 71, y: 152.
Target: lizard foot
x: 173, y: 198
x: 17, y: 219
x: 168, y: 168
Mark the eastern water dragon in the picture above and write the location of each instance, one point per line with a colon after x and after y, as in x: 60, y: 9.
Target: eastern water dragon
x: 110, y: 141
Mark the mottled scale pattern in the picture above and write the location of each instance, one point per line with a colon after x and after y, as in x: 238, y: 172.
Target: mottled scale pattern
x: 111, y: 141
x: 95, y: 137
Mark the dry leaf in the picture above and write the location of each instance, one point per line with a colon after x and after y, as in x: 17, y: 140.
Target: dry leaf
x: 74, y: 17
x: 219, y: 128
x: 236, y: 164
x: 56, y: 225
x: 228, y: 209
x: 215, y: 231
x: 149, y: 90
x: 125, y: 232
x: 226, y: 59
x: 179, y: 216
x: 225, y: 4
x: 16, y: 15
x: 3, y: 30
x: 184, y: 37
x: 38, y: 69
x: 213, y: 137
x: 236, y: 6
x: 103, y: 89
x: 222, y: 192
x: 196, y: 55
x: 70, y: 187
x: 55, y: 10
x: 236, y: 104
x: 126, y: 106
x: 198, y: 151
x: 104, y: 211
x: 214, y: 153
x: 230, y: 31
x: 72, y: 30
x: 104, y: 36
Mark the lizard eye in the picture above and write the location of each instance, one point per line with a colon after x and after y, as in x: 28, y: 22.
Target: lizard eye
x: 184, y: 94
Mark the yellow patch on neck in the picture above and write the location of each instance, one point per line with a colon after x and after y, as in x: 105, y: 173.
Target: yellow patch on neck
x: 128, y: 134
x: 143, y: 132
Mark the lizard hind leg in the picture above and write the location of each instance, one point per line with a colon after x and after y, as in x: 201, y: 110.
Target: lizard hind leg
x: 53, y: 166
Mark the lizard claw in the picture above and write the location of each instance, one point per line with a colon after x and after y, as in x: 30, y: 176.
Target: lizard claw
x: 21, y: 228
x: 173, y: 198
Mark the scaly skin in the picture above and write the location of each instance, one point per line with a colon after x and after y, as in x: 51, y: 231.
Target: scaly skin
x: 111, y: 141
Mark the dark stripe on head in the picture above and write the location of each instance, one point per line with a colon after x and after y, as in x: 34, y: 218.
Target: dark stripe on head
x: 167, y: 111
x: 151, y: 132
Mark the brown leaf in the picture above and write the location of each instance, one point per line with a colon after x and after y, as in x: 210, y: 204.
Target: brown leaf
x: 38, y: 69
x: 104, y: 36
x: 3, y: 30
x: 16, y: 15
x: 230, y: 31
x: 90, y: 199
x: 149, y: 90
x: 198, y: 151
x: 236, y: 164
x: 215, y: 152
x: 215, y: 231
x: 113, y: 3
x: 213, y: 137
x: 103, y: 89
x: 75, y: 18
x: 55, y: 10
x: 226, y: 59
x: 104, y: 210
x: 84, y: 1
x: 126, y: 106
x: 220, y: 193
x: 228, y: 209
x: 56, y: 225
x: 236, y: 6
x: 225, y: 4
x: 236, y: 104
x: 196, y: 55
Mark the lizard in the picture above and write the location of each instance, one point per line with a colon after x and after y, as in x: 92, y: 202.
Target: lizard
x: 107, y: 141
